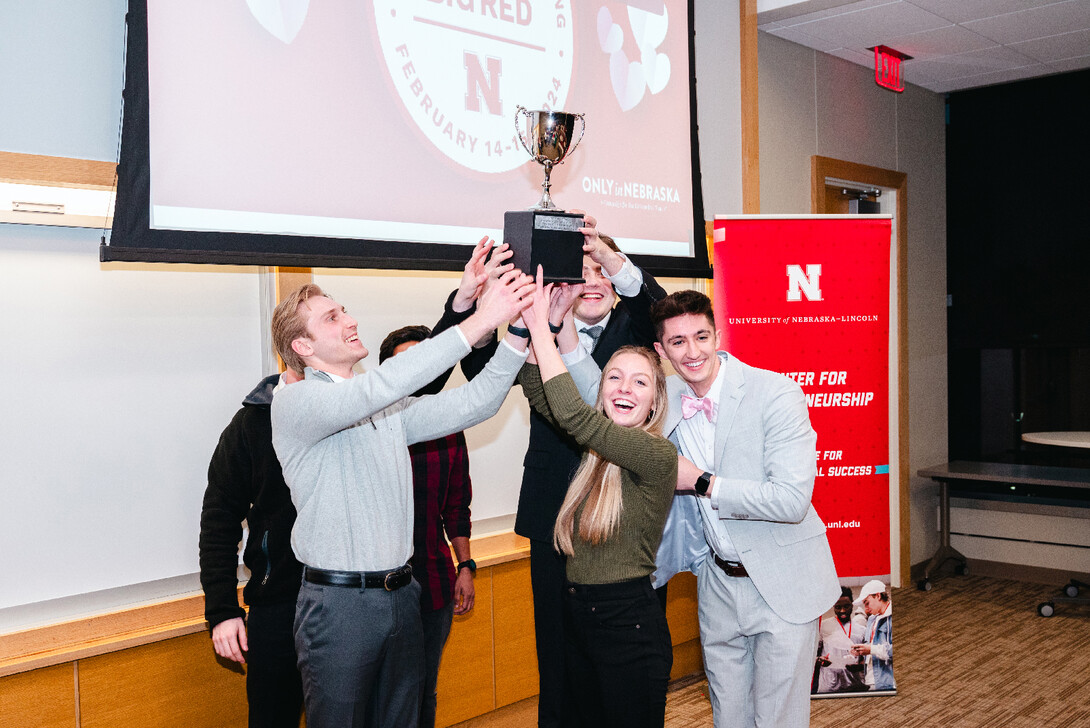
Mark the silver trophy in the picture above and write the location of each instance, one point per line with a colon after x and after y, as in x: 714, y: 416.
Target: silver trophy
x: 550, y: 135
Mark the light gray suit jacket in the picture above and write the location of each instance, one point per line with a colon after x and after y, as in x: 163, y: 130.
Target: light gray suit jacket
x: 765, y: 464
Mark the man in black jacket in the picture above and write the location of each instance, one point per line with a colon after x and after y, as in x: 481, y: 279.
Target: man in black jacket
x: 245, y: 483
x: 552, y: 456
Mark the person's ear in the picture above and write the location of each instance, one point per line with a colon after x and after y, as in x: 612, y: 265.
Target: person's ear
x: 302, y: 347
x: 660, y: 350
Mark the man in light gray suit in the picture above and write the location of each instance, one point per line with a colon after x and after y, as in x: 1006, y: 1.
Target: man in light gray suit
x: 747, y: 530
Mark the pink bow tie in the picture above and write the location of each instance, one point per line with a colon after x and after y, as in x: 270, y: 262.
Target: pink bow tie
x: 691, y: 405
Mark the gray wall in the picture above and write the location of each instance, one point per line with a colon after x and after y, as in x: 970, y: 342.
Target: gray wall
x: 812, y: 103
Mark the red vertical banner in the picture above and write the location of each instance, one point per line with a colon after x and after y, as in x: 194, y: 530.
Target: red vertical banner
x: 810, y: 298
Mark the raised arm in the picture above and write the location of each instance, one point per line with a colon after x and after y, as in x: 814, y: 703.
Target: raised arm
x: 653, y: 458
x: 485, y: 263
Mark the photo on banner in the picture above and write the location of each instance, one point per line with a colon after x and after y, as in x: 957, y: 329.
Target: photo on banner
x: 809, y: 297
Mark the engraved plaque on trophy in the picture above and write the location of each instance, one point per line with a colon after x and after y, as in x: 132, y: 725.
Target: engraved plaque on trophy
x: 545, y: 234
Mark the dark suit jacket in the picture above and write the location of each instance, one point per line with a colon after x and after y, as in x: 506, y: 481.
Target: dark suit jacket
x: 552, y: 456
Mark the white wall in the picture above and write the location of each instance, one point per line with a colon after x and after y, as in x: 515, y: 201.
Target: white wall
x: 122, y: 376
x: 812, y: 103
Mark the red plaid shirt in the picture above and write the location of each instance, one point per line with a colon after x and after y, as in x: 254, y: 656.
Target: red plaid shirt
x: 441, y: 495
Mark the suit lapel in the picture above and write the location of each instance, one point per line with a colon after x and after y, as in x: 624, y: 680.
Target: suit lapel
x: 730, y: 397
x: 675, y: 387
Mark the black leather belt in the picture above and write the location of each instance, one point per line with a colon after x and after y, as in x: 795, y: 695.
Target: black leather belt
x: 732, y: 568
x: 388, y: 580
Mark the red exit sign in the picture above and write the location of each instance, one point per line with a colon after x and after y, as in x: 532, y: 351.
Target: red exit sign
x: 889, y: 68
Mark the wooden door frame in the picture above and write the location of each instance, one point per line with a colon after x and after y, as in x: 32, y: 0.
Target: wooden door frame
x: 821, y: 169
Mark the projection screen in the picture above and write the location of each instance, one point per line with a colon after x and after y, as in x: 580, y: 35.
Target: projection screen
x: 385, y: 133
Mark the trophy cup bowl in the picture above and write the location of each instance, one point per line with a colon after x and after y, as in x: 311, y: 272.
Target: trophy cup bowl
x: 550, y: 134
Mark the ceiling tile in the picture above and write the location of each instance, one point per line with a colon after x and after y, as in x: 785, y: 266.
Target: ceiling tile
x: 959, y: 11
x: 1034, y: 23
x: 872, y: 26
x: 797, y: 36
x: 939, y: 42
x: 837, y: 10
x: 1071, y: 64
x: 915, y: 77
x: 1056, y: 47
x: 996, y: 77
x: 795, y: 9
x: 863, y: 58
x: 989, y: 60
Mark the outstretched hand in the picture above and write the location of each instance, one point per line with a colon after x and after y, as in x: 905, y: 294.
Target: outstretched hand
x: 507, y: 298
x: 537, y: 315
x: 563, y: 299
x: 474, y: 276
x: 596, y: 248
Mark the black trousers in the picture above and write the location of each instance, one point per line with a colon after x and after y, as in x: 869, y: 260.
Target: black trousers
x: 274, y: 689
x: 617, y: 654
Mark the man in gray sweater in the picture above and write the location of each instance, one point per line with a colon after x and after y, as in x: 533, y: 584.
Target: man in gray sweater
x: 342, y: 439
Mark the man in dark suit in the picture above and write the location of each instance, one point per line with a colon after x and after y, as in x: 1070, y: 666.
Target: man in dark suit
x: 552, y: 456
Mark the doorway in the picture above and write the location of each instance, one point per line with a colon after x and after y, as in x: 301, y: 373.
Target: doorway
x: 828, y: 177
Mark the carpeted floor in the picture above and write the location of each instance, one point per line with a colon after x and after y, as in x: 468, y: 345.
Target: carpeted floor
x: 972, y: 652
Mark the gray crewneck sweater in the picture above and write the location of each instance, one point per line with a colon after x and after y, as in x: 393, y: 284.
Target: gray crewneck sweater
x: 344, y: 449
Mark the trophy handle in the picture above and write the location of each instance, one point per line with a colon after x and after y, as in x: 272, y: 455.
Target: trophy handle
x: 519, y: 111
x: 582, y: 128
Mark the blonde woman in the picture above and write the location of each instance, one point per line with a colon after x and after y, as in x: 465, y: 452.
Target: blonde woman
x: 617, y: 643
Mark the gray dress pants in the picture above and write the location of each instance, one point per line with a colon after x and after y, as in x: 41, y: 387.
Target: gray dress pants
x: 361, y: 655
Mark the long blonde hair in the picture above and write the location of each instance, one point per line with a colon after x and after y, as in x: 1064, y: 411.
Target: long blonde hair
x: 597, y: 482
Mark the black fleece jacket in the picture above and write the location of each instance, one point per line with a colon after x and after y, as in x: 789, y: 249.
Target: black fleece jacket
x: 245, y: 483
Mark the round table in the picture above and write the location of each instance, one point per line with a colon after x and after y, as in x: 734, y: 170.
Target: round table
x: 1061, y: 439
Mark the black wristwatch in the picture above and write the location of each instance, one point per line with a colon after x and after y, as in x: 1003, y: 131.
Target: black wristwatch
x: 468, y: 564
x: 702, y: 483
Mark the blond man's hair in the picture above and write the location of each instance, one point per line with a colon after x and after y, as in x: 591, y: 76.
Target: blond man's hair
x: 288, y: 324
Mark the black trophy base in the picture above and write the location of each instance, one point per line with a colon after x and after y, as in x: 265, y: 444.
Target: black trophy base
x: 551, y: 239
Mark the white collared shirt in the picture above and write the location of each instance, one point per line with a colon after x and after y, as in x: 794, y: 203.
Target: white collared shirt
x: 697, y: 439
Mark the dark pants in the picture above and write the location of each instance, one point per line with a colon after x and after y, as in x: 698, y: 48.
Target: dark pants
x: 436, y: 630
x: 361, y: 654
x: 618, y: 655
x: 274, y: 689
x: 554, y: 709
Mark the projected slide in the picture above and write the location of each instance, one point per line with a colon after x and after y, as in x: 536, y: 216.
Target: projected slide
x: 396, y: 119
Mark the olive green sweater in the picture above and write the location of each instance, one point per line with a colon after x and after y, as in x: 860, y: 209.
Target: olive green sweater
x: 648, y: 478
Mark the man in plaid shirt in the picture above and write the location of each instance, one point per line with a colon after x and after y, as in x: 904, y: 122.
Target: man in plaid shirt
x: 441, y: 496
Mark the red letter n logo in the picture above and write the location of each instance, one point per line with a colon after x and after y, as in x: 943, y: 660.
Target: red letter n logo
x: 808, y: 284
x: 481, y: 85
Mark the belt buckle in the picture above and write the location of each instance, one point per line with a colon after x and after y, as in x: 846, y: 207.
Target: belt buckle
x: 386, y: 580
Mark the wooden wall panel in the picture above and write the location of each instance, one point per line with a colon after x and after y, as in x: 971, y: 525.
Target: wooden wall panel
x: 681, y: 608
x: 42, y: 698
x: 516, y: 648
x: 466, y: 674
x: 177, y: 683
x: 688, y: 659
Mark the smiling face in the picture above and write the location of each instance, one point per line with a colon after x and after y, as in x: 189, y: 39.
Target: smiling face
x: 843, y: 609
x: 597, y: 298
x: 331, y: 343
x: 628, y: 389
x: 689, y: 342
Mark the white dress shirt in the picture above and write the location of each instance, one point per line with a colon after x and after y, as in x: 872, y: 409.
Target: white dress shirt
x: 697, y: 439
